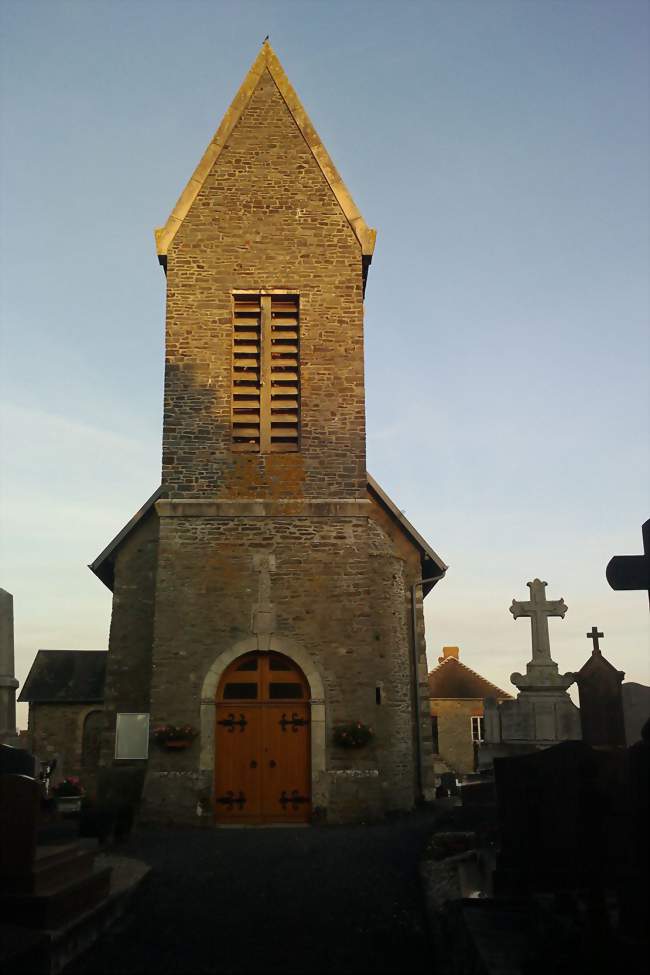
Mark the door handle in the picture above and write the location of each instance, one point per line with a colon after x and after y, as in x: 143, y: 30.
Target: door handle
x: 253, y: 764
x: 272, y: 763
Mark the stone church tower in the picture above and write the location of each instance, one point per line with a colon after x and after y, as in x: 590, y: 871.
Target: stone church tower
x: 269, y: 593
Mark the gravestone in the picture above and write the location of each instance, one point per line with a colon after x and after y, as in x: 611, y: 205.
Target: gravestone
x: 636, y: 892
x: 636, y: 709
x: 8, y: 682
x: 20, y: 798
x: 563, y: 819
x: 42, y: 887
x: 543, y: 713
x: 601, y: 699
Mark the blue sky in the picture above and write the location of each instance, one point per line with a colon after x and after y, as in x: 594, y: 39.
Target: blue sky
x: 501, y: 151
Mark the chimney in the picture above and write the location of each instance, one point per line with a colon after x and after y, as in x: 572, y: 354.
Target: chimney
x: 449, y: 652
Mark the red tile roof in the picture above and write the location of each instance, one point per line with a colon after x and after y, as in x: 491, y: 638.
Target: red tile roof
x: 451, y: 679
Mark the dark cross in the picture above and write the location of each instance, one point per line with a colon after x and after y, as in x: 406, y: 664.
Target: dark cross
x: 593, y: 635
x: 631, y: 571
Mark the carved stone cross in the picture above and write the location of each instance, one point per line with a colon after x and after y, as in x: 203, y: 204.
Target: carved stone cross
x: 263, y: 611
x: 539, y: 609
x: 593, y: 635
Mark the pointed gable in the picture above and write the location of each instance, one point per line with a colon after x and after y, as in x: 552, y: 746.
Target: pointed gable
x: 65, y: 676
x: 453, y: 680
x: 265, y: 68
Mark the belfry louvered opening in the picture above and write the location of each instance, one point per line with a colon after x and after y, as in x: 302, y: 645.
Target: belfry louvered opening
x: 266, y: 373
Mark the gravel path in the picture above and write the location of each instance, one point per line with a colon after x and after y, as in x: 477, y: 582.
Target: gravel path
x: 322, y: 899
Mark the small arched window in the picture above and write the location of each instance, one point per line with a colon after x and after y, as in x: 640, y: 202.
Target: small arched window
x: 91, y: 742
x: 263, y: 678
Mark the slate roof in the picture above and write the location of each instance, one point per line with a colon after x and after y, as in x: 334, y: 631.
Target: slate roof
x: 452, y: 679
x: 66, y: 676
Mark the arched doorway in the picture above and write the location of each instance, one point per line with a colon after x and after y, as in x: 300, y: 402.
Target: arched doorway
x: 262, y: 742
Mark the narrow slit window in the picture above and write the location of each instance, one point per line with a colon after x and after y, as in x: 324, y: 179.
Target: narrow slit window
x: 434, y: 732
x: 266, y: 373
x: 477, y: 730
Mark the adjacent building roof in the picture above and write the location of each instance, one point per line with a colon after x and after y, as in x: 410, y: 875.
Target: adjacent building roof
x: 266, y: 60
x: 66, y: 676
x: 452, y: 679
x: 433, y: 568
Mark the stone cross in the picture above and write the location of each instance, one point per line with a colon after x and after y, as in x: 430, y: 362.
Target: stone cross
x: 593, y: 635
x: 539, y: 609
x: 632, y: 571
x: 263, y: 611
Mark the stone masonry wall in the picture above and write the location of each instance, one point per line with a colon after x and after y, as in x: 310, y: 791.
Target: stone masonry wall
x: 398, y: 545
x: 56, y: 731
x: 338, y: 590
x: 455, y: 731
x: 265, y: 218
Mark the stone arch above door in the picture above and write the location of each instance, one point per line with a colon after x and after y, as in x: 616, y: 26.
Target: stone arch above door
x: 300, y: 657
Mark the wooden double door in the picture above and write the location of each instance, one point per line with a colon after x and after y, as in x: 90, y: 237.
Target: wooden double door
x: 262, y: 742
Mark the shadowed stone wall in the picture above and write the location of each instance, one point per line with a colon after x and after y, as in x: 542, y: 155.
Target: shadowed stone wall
x: 128, y: 664
x: 56, y: 731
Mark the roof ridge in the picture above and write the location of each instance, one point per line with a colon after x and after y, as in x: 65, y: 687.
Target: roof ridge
x: 469, y: 670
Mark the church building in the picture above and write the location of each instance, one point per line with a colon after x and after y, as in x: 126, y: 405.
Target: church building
x: 267, y: 598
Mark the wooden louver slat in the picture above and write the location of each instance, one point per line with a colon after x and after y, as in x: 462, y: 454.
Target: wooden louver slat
x: 245, y: 373
x: 285, y: 364
x: 266, y: 373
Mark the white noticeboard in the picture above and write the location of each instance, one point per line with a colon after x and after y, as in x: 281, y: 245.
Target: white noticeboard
x: 132, y: 736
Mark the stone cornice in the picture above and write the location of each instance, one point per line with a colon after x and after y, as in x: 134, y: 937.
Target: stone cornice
x: 284, y: 508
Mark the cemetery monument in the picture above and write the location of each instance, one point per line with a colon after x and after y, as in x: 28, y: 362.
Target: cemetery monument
x: 543, y: 713
x: 601, y: 698
x: 8, y: 682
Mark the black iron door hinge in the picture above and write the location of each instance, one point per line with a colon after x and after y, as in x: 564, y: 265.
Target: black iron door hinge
x: 295, y: 722
x: 230, y: 722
